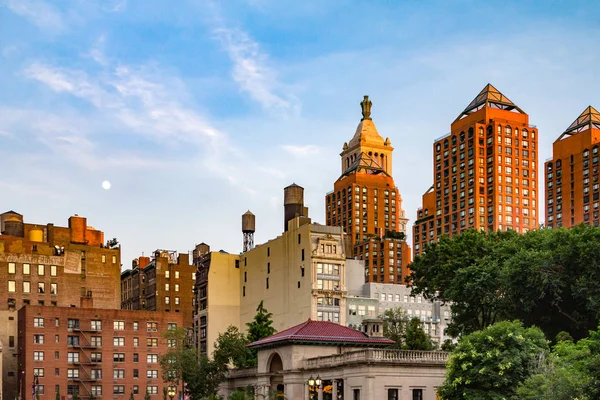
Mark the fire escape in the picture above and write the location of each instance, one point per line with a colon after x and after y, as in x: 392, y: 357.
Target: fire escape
x: 86, y: 362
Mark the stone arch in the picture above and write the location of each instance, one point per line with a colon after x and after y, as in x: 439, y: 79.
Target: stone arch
x: 275, y: 368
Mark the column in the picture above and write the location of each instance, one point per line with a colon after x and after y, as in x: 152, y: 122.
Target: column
x: 334, y: 389
x: 320, y: 396
x: 306, y: 391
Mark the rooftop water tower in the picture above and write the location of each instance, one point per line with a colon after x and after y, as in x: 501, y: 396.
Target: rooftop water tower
x: 248, y: 229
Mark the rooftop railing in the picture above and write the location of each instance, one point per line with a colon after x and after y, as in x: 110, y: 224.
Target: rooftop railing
x: 379, y: 356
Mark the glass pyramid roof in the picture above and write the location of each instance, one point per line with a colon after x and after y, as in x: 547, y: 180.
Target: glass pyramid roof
x: 490, y: 97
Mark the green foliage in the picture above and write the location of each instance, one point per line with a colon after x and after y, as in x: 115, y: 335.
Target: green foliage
x: 92, y: 397
x: 165, y: 393
x: 75, y: 395
x: 448, y: 345
x: 147, y: 396
x: 490, y: 364
x: 394, y: 325
x: 231, y: 347
x: 178, y: 358
x: 415, y: 337
x: 112, y: 243
x: 131, y: 395
x: 260, y: 327
x: 204, y: 378
x: 547, y: 278
x: 57, y: 396
x: 395, y: 235
x: 571, y: 372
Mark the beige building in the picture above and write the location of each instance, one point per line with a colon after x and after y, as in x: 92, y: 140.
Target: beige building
x: 298, y: 275
x: 349, y: 364
x: 217, y: 294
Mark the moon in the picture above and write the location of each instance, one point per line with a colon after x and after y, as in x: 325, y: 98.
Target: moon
x: 106, y: 185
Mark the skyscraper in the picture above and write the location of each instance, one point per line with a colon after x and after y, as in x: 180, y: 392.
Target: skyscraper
x: 484, y: 173
x: 571, y: 175
x: 367, y: 204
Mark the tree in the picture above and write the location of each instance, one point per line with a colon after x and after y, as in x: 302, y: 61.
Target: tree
x: 448, y: 345
x: 178, y: 360
x: 147, y: 396
x: 394, y: 325
x: 571, y: 372
x: 415, y: 337
x: 545, y: 277
x: 231, y: 347
x: 491, y: 364
x: 57, y: 397
x: 131, y: 395
x: 260, y: 327
x: 112, y: 243
x: 75, y: 395
x: 204, y: 378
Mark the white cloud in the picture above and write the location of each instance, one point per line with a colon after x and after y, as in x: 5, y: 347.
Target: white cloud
x: 40, y: 13
x: 302, y: 151
x: 252, y: 72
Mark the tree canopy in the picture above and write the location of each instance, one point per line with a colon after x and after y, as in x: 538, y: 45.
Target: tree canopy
x: 260, y: 327
x: 491, y: 363
x: 544, y: 277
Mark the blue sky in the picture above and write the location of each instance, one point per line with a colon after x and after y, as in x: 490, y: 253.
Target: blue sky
x: 196, y: 111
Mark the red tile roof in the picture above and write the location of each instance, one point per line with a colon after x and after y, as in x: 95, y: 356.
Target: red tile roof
x: 322, y: 333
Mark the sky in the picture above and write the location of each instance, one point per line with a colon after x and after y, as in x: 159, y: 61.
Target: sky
x: 198, y: 110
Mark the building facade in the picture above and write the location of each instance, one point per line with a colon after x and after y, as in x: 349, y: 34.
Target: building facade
x: 163, y: 283
x: 367, y: 204
x: 371, y: 300
x: 485, y: 173
x: 350, y: 364
x: 47, y: 265
x: 571, y: 175
x: 217, y: 294
x: 104, y: 353
x: 300, y: 274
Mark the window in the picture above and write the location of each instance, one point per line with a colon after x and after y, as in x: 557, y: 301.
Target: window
x: 39, y: 372
x: 72, y: 389
x: 118, y: 389
x: 119, y: 357
x: 41, y: 270
x: 176, y: 300
x: 96, y: 341
x: 41, y: 287
x: 96, y: 325
x: 72, y: 357
x: 73, y: 340
x: 38, y: 356
x: 26, y: 269
x: 72, y: 323
x: 136, y: 373
x: 12, y: 286
x: 96, y: 357
x: 152, y: 342
x: 136, y: 389
x: 53, y: 270
x: 38, y: 322
x: 392, y: 394
x: 167, y: 287
x: 119, y: 325
x: 72, y: 373
x: 97, y: 390
x: 38, y: 339
x: 118, y: 373
x: 176, y: 274
x: 114, y: 259
x: 53, y: 288
x: 167, y: 300
x: 135, y: 326
x: 152, y: 326
x: 118, y: 341
x: 39, y: 389
x: 152, y: 389
x: 26, y: 287
x: 151, y: 358
x: 103, y: 258
x: 173, y: 342
x: 172, y: 325
x: 167, y: 274
x: 177, y: 287
x: 12, y: 268
x: 152, y: 374
x: 356, y: 394
x: 136, y: 357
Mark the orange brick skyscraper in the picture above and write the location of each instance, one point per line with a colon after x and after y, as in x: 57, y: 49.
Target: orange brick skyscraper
x: 367, y: 204
x: 485, y: 173
x: 572, y: 185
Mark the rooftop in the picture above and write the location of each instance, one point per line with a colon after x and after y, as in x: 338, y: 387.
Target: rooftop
x: 489, y: 97
x: 322, y: 333
x: 588, y: 119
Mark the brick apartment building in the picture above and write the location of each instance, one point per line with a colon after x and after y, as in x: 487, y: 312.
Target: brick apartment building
x: 485, y: 173
x: 47, y: 265
x: 105, y: 353
x: 572, y: 174
x: 163, y: 283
